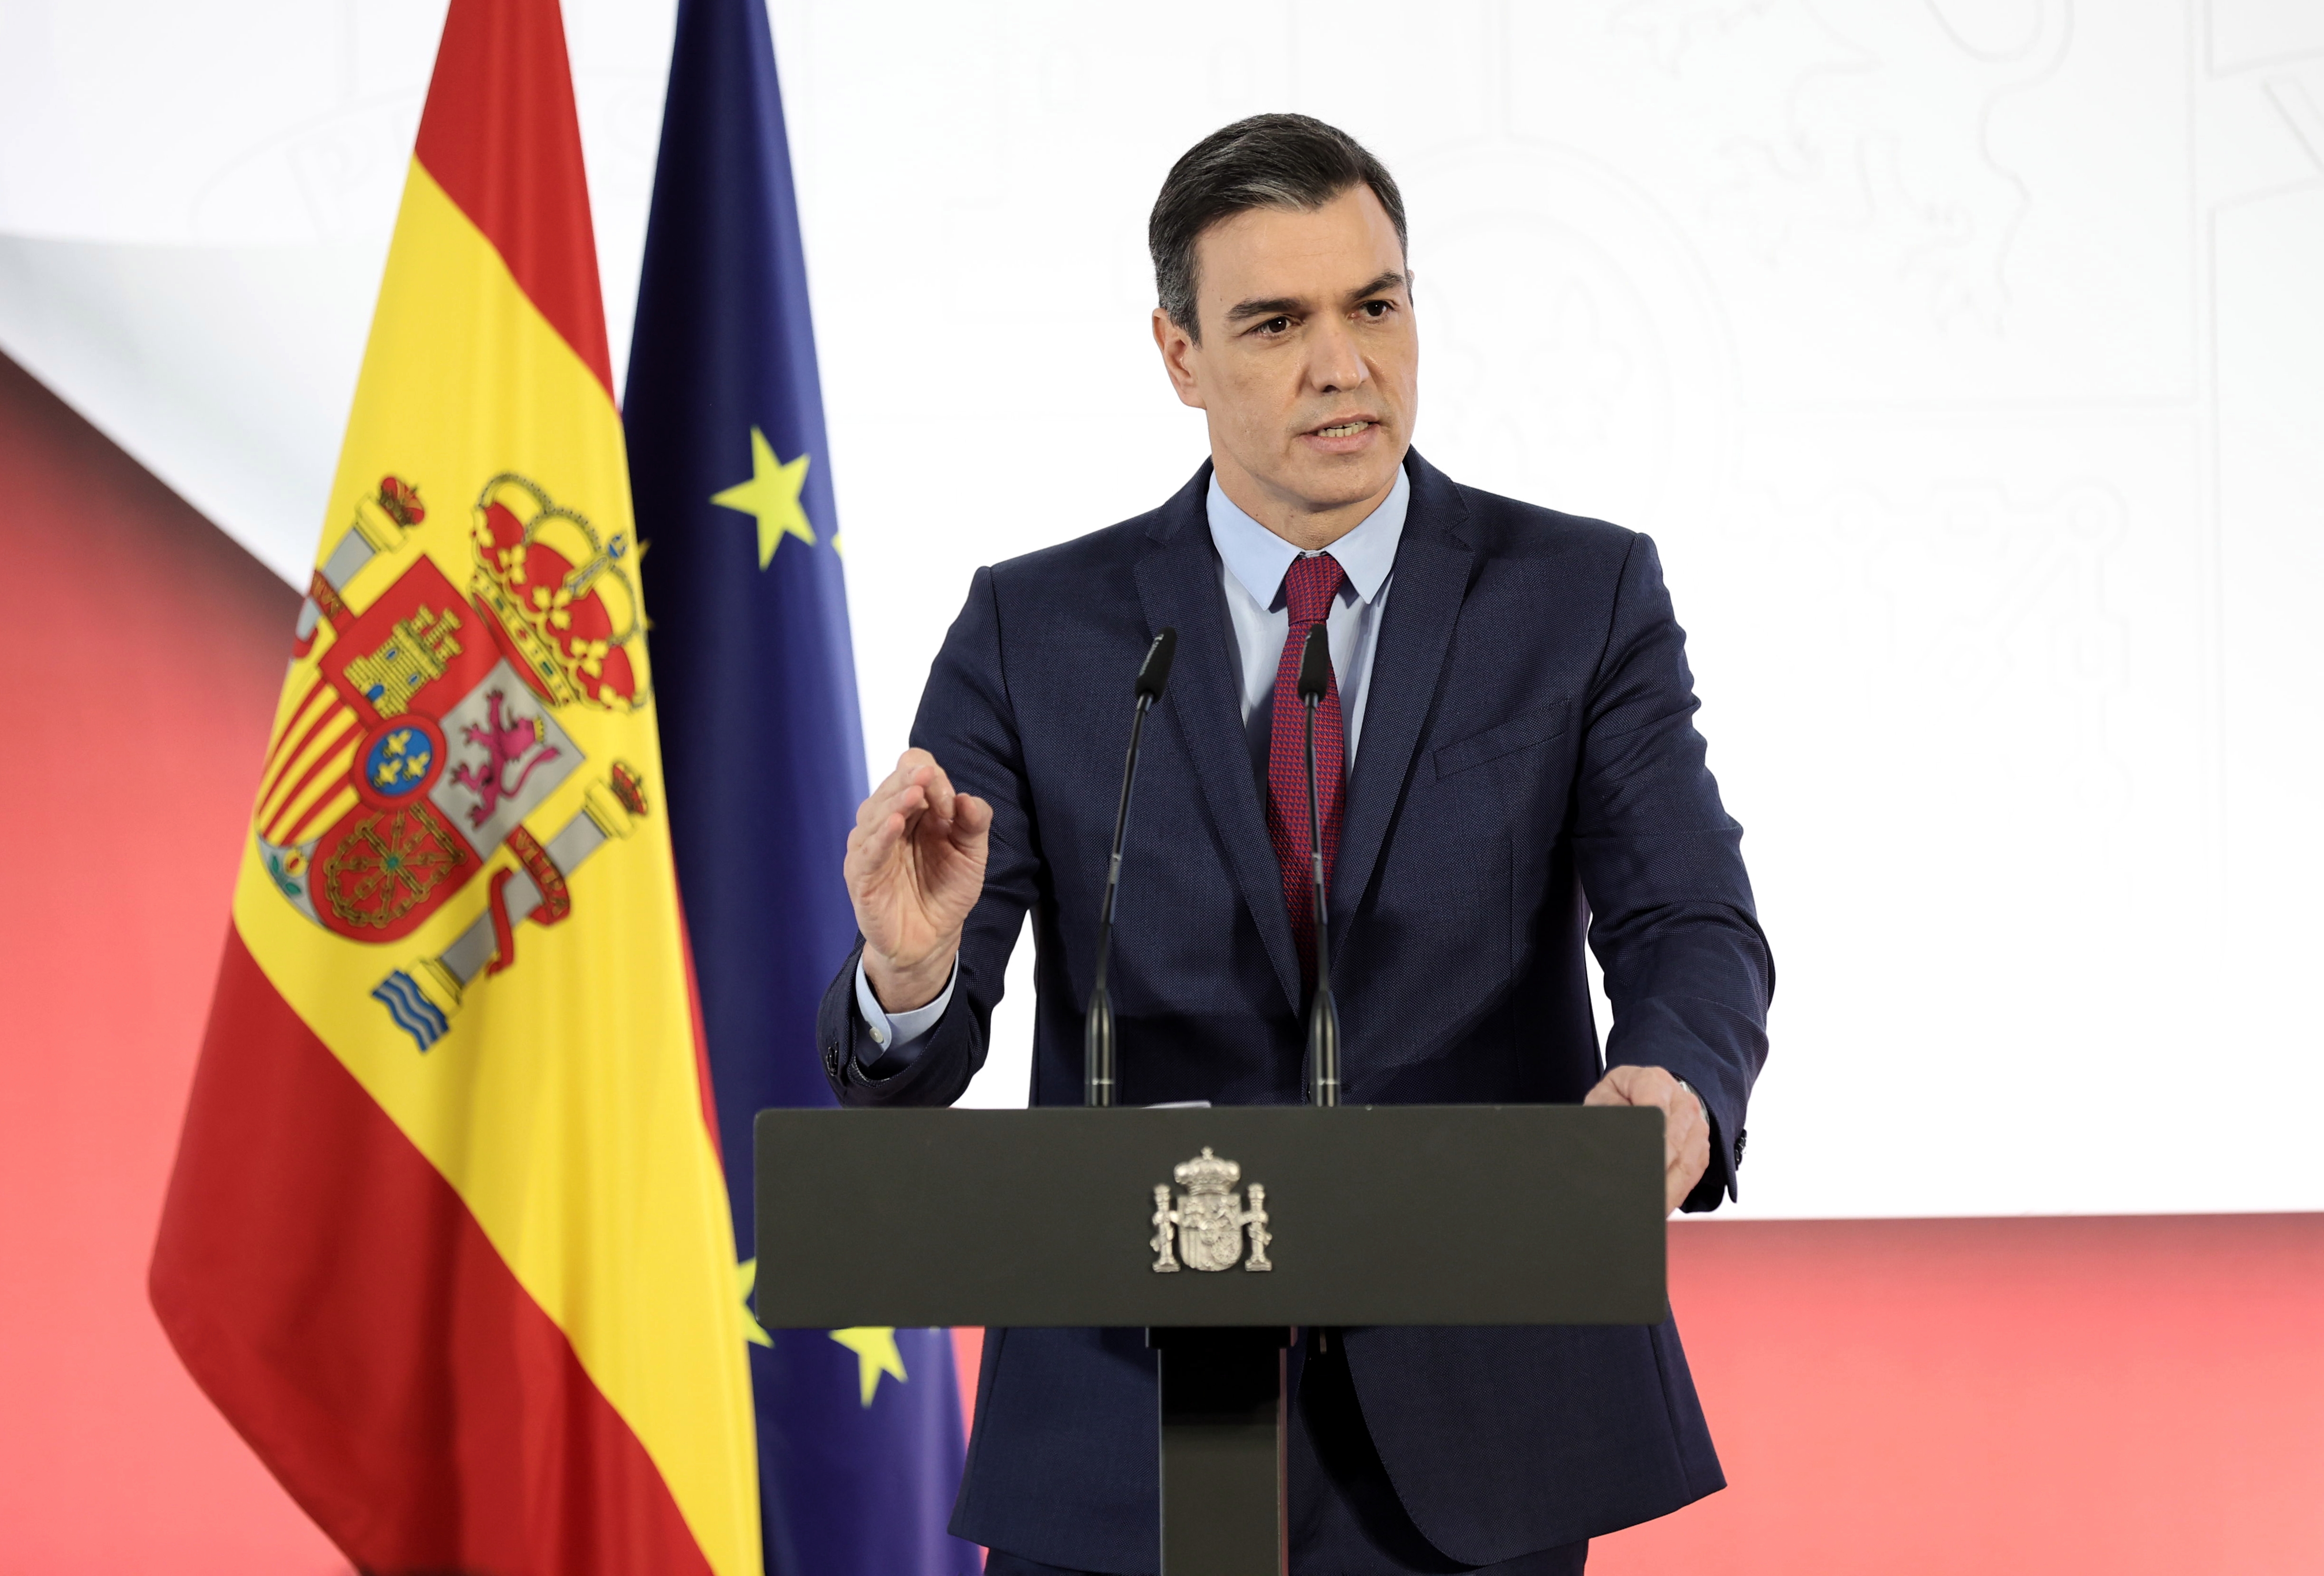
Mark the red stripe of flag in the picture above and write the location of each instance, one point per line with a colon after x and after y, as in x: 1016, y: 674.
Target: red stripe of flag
x: 504, y: 142
x: 381, y: 1358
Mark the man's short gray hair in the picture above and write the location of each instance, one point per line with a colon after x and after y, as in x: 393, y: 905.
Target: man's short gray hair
x: 1269, y: 161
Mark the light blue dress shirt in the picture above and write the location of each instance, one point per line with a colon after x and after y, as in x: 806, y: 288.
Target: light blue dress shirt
x: 1252, y: 564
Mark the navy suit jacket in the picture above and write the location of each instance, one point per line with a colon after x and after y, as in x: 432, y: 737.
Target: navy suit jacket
x: 1529, y: 772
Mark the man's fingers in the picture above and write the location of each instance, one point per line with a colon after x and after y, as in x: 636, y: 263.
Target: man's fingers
x: 917, y: 794
x: 915, y: 782
x: 921, y: 767
x: 1682, y: 1131
x: 915, y: 849
x: 1688, y: 1163
x: 909, y: 797
x: 878, y: 843
x: 939, y: 788
x: 970, y: 816
x: 1631, y: 1085
x: 1686, y: 1124
x: 877, y: 803
x: 898, y: 775
x: 908, y: 765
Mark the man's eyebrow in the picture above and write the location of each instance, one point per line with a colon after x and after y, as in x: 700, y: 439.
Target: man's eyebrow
x: 1289, y: 306
x: 1273, y: 307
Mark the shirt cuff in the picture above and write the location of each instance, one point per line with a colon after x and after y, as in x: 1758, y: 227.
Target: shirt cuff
x: 893, y: 1032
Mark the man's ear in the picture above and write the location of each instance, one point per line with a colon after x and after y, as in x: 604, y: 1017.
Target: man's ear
x: 1179, y: 356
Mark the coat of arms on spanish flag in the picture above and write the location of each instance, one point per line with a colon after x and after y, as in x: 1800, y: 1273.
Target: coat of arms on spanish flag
x: 449, y: 1239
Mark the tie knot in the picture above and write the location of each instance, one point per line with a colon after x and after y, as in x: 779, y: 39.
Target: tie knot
x: 1310, y: 586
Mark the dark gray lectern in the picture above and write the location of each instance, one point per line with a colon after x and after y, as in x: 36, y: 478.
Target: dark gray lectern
x: 1218, y: 1229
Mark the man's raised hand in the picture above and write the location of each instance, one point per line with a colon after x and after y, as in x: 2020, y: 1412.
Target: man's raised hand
x: 915, y: 868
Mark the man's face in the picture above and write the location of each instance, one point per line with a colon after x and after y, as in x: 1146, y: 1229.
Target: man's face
x: 1309, y: 360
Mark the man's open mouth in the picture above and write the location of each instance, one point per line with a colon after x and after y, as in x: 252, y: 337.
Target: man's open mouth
x: 1342, y: 429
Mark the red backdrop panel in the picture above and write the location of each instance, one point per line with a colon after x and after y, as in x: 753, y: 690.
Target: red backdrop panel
x: 2004, y: 1396
x: 148, y: 651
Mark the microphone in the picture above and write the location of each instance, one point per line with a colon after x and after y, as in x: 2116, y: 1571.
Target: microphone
x: 1097, y: 1023
x: 1323, y: 1014
x: 1154, y: 673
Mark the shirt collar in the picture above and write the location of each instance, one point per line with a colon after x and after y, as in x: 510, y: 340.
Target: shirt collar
x: 1259, y: 558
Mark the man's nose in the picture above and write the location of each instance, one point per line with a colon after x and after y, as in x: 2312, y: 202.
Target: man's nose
x: 1333, y: 362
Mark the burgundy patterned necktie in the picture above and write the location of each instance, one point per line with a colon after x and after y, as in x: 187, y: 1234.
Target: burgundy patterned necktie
x: 1309, y: 590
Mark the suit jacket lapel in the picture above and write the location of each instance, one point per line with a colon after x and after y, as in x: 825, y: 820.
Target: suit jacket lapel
x: 1179, y: 586
x: 1431, y: 577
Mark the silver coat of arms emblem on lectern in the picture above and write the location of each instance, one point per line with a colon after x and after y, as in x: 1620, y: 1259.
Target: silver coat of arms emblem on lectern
x: 1207, y: 1228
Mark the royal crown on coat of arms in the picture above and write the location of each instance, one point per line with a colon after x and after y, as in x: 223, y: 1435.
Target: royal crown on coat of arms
x: 1206, y: 1229
x: 564, y: 597
x: 428, y: 735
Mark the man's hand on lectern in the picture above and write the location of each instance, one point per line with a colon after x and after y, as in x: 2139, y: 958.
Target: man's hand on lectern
x: 1686, y: 1122
x: 914, y: 867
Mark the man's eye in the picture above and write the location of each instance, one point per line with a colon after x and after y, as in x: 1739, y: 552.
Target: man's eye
x: 1375, y: 310
x: 1275, y: 326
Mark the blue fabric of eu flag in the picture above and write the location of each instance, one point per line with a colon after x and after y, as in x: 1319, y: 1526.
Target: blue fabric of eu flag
x: 859, y: 1429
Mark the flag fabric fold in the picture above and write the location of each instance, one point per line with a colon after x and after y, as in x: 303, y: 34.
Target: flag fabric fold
x: 859, y: 1429
x: 447, y: 1238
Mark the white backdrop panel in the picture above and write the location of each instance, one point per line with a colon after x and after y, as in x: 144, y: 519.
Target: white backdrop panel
x: 1962, y: 354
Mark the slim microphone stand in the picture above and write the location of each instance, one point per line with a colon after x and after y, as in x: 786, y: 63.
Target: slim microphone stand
x: 1322, y: 1013
x: 1097, y: 1026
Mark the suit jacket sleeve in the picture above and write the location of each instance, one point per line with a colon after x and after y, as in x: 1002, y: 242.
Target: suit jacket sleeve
x: 1687, y: 968
x: 965, y: 722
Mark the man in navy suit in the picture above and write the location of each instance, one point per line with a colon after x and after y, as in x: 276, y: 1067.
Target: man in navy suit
x: 1508, y: 763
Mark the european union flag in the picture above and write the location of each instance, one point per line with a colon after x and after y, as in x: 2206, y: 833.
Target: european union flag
x: 859, y: 1429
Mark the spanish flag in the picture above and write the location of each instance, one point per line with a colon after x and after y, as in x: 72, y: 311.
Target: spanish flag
x: 447, y: 1238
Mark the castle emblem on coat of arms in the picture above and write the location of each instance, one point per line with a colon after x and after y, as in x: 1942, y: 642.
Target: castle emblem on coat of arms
x: 1206, y: 1228
x: 430, y: 733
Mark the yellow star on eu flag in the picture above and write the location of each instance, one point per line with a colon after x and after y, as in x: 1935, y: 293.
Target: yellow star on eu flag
x: 746, y: 1275
x: 875, y: 1346
x: 773, y: 496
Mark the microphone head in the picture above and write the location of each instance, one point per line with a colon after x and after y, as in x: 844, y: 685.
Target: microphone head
x: 1155, y: 671
x: 1316, y: 663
